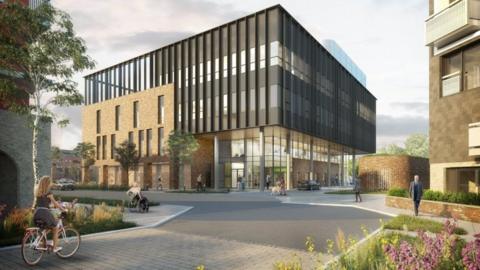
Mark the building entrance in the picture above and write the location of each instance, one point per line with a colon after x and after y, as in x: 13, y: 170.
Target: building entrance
x: 237, y: 174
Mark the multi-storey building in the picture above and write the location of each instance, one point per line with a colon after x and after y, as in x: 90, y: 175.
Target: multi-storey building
x: 262, y: 96
x: 453, y: 34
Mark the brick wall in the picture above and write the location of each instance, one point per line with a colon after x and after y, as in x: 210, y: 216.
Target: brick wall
x: 443, y: 209
x: 382, y: 172
x: 16, y: 144
x: 148, y: 119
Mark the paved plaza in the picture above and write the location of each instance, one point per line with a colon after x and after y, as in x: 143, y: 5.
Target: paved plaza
x: 248, y: 230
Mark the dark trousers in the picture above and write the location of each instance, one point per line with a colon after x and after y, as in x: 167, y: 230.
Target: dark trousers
x: 416, y: 205
x: 357, y: 196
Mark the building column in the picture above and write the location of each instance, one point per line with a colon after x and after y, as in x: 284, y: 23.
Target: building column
x: 262, y: 160
x: 310, y: 174
x: 288, y: 183
x: 245, y: 163
x: 342, y: 168
x: 354, y: 175
x: 329, y: 169
x: 216, y: 165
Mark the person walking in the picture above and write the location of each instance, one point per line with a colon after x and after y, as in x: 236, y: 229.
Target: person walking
x: 267, y: 182
x: 199, y: 183
x: 416, y: 192
x: 356, y: 189
x: 159, y: 183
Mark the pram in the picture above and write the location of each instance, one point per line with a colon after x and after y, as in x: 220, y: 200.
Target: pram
x: 137, y: 200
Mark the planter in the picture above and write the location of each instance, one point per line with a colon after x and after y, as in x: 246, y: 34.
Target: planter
x: 443, y: 209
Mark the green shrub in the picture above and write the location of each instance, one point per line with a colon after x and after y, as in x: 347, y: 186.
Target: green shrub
x: 452, y: 197
x: 398, y: 192
x: 109, y: 202
x: 414, y: 224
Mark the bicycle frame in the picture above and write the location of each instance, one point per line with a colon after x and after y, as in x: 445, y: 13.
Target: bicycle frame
x: 43, y: 235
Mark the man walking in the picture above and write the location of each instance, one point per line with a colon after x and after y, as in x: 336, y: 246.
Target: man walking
x: 267, y: 182
x: 199, y: 183
x: 356, y: 189
x: 416, y: 192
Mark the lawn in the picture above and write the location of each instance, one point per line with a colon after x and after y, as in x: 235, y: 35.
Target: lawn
x: 411, y: 223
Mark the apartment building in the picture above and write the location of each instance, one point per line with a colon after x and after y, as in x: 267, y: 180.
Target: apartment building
x: 453, y: 35
x: 262, y: 96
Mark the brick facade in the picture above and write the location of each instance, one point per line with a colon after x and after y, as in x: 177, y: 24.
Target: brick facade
x: 444, y: 209
x: 16, y: 173
x: 382, y: 172
x: 150, y: 167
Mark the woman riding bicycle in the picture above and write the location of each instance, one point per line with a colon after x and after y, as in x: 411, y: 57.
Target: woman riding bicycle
x: 42, y: 209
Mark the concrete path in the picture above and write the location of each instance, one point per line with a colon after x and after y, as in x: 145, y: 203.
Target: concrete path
x: 370, y: 202
x: 156, y: 215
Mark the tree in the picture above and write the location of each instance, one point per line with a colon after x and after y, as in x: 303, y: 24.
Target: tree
x: 392, y: 149
x: 127, y: 155
x: 181, y: 147
x: 86, y: 152
x: 417, y: 145
x: 39, y: 53
x: 350, y: 169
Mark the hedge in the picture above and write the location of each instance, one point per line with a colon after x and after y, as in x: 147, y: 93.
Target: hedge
x: 398, y: 192
x: 450, y: 197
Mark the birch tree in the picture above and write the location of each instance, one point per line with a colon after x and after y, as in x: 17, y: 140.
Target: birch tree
x: 39, y: 54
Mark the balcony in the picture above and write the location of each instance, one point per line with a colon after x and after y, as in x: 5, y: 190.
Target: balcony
x: 474, y: 139
x: 457, y: 20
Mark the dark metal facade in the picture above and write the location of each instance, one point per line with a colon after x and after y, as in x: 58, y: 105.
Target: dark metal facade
x: 263, y: 69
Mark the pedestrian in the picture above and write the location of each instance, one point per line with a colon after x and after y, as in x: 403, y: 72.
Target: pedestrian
x: 199, y: 183
x: 159, y: 183
x: 416, y: 192
x: 283, y: 191
x: 267, y: 182
x: 239, y: 183
x: 356, y: 189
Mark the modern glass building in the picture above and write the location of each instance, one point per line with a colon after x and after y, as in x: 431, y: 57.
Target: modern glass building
x: 270, y: 99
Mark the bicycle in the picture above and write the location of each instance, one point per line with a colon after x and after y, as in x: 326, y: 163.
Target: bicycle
x: 35, y: 242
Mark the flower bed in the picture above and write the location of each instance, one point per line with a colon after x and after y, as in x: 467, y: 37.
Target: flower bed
x: 443, y: 209
x: 99, y: 219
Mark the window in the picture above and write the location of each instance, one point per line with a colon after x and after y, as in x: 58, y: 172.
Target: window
x: 140, y: 142
x: 461, y: 71
x: 104, y: 147
x: 161, y: 109
x: 149, y: 142
x: 117, y: 117
x: 112, y: 146
x: 135, y: 114
x: 99, y: 144
x: 160, y: 141
x: 471, y: 65
x: 130, y: 137
x: 99, y: 118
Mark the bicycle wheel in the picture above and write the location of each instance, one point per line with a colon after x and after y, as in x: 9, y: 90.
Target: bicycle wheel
x: 69, y: 239
x: 32, y: 249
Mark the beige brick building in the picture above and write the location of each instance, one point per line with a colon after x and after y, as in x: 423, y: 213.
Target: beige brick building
x: 139, y: 118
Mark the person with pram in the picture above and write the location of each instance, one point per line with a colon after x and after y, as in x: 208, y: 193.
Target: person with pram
x: 137, y: 199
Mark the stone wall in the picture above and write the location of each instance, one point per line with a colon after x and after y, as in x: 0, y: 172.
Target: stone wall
x: 382, y: 172
x: 16, y: 144
x: 444, y: 209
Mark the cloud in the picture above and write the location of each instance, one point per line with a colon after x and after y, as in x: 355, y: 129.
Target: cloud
x: 415, y: 107
x: 148, y: 39
x: 399, y: 126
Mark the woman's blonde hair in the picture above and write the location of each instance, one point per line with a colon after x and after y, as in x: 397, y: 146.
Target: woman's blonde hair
x: 43, y: 186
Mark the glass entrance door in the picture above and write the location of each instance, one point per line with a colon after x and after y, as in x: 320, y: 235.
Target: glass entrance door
x: 237, y: 174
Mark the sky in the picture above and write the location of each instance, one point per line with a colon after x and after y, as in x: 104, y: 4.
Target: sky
x: 385, y: 38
